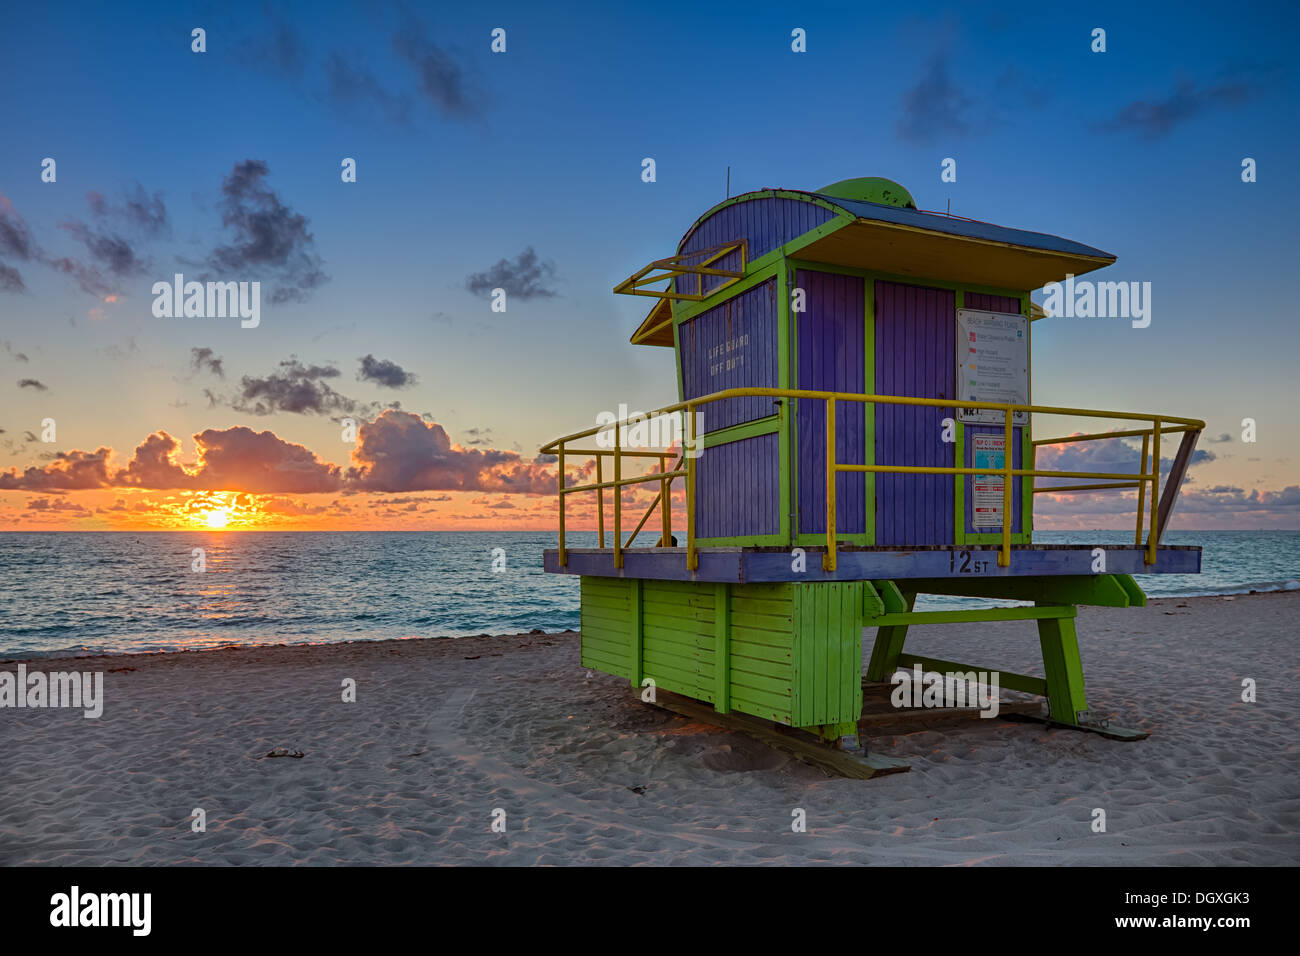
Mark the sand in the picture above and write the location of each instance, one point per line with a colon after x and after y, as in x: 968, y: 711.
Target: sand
x: 445, y: 732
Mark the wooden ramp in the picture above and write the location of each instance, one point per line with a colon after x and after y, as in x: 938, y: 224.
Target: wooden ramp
x: 880, y: 716
x: 845, y: 761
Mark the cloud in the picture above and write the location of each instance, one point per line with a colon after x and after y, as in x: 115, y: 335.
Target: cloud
x: 399, y: 451
x: 279, y: 49
x: 439, y: 77
x: 113, y: 256
x: 140, y: 212
x: 524, y: 278
x: 47, y: 504
x: 15, y: 243
x: 33, y: 383
x: 1220, y: 439
x: 231, y: 459
x: 270, y: 239
x: 9, y: 349
x: 1156, y: 117
x: 383, y: 372
x: 297, y: 389
x: 934, y: 108
x: 351, y: 86
x: 69, y: 471
x: 1122, y: 456
x: 204, y: 359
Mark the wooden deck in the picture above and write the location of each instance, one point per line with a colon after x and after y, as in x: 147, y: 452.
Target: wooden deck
x: 755, y: 565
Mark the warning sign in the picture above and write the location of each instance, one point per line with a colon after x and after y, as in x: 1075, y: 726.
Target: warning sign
x: 992, y: 364
x: 986, y: 493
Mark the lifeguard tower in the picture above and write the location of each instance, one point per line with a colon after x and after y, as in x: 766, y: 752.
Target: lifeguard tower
x: 856, y: 374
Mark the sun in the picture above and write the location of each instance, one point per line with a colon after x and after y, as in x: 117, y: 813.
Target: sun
x: 217, y: 518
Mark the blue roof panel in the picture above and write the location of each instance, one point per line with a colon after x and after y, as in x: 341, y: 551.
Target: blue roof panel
x: 963, y: 227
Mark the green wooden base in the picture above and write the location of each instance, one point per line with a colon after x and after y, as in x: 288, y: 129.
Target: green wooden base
x: 1054, y: 597
x: 792, y: 652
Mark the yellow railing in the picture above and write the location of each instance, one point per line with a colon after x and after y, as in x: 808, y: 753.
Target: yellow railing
x: 1161, y: 425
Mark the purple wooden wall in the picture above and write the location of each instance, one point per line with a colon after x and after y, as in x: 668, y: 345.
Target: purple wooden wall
x: 830, y: 347
x: 765, y: 221
x: 994, y: 303
x: 732, y: 345
x: 916, y: 331
x: 738, y: 487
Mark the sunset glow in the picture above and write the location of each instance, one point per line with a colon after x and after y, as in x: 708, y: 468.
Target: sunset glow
x: 217, y: 519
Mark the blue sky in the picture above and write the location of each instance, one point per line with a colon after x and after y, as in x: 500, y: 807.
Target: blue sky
x: 466, y: 157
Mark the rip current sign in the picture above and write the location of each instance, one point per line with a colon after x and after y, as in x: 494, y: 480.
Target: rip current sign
x: 986, y: 491
x: 992, y: 364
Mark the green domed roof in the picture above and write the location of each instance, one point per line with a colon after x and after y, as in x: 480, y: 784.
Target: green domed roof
x: 871, y: 189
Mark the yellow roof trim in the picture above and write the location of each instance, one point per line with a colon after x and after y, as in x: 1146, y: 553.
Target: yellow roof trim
x: 657, y: 327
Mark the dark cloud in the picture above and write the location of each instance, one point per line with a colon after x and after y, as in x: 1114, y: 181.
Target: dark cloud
x: 935, y: 108
x: 1220, y: 439
x: 11, y: 280
x: 295, y: 388
x: 270, y: 239
x: 279, y: 48
x: 32, y: 383
x: 525, y: 278
x: 399, y: 451
x: 15, y: 243
x: 112, y: 244
x: 47, y: 504
x: 138, y: 211
x: 1120, y: 456
x: 383, y: 372
x: 1153, y: 118
x: 440, y: 78
x: 351, y: 86
x: 204, y: 359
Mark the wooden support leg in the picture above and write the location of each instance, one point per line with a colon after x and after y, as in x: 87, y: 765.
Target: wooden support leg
x: 1063, y: 669
x: 889, y: 644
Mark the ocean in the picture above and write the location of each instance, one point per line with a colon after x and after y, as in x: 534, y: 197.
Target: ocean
x: 116, y: 592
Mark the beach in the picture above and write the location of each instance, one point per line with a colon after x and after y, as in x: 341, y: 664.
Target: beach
x: 447, y: 736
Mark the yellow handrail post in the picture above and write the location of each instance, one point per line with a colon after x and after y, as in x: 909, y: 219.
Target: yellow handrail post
x: 1004, y: 557
x: 1153, y: 533
x: 692, y: 559
x: 618, y: 497
x: 600, y: 500
x: 667, y: 537
x: 828, y: 561
x: 559, y: 472
x: 1142, y: 490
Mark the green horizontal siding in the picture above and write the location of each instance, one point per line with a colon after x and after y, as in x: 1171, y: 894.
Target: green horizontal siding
x: 793, y: 652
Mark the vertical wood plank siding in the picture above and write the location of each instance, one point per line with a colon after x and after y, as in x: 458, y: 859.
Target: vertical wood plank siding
x: 766, y: 222
x: 732, y: 345
x: 915, y: 356
x: 830, y: 347
x: 738, y: 488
